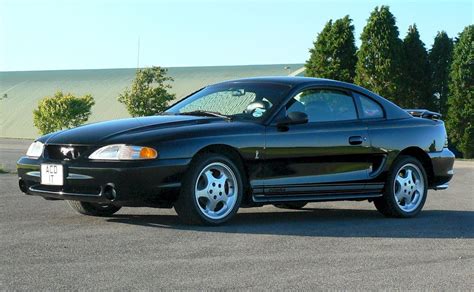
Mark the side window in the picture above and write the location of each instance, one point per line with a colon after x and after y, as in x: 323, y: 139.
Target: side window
x: 370, y: 109
x: 322, y: 105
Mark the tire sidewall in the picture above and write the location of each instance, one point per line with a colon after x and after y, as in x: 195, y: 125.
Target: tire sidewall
x: 390, y: 192
x: 91, y: 209
x: 196, y: 168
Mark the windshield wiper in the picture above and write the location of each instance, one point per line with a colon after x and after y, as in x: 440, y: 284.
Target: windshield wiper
x: 206, y: 114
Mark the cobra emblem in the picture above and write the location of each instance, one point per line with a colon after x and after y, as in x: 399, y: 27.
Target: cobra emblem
x: 69, y: 152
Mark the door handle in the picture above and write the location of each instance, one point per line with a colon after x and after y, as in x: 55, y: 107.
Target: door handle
x: 356, y: 140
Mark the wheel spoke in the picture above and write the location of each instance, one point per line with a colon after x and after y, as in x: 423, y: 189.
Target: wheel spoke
x: 399, y: 195
x: 221, y: 180
x: 211, y: 205
x: 231, y: 191
x: 202, y: 194
x: 418, y: 185
x: 415, y: 196
x: 223, y: 198
x: 400, y: 180
x: 409, y: 174
x: 224, y: 207
x: 406, y: 198
x: 209, y: 177
x: 223, y: 177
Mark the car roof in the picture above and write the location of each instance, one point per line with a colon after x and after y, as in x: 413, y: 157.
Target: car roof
x: 392, y: 111
x: 289, y: 80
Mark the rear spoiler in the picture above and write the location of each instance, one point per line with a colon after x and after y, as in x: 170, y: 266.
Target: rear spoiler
x: 422, y: 113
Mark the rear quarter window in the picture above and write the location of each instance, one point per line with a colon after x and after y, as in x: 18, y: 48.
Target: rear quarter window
x: 370, y: 108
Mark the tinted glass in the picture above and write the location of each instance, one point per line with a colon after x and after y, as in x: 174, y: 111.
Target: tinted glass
x: 323, y: 105
x: 370, y: 109
x: 246, y: 101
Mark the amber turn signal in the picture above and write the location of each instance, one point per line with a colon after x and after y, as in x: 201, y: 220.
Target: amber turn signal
x: 148, y: 153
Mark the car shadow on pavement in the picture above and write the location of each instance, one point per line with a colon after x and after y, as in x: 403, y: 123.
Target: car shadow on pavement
x: 326, y: 223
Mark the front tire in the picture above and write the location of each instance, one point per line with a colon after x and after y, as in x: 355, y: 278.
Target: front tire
x: 211, y: 191
x: 93, y: 209
x: 406, y: 189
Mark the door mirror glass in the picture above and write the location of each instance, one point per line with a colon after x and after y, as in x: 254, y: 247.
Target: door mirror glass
x: 293, y: 118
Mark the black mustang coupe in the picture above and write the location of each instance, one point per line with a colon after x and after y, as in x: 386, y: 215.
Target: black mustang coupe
x: 284, y: 141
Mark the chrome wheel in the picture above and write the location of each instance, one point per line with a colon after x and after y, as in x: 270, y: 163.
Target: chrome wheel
x: 409, y: 187
x: 216, y: 190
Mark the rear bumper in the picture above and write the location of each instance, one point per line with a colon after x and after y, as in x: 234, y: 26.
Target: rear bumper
x: 124, y: 183
x: 443, y: 164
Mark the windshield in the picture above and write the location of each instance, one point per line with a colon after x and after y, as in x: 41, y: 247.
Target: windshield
x: 242, y: 101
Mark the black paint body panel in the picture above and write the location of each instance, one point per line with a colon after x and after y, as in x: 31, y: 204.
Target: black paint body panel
x: 307, y: 162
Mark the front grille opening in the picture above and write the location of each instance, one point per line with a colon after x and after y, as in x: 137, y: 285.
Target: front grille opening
x: 65, y: 152
x: 89, y: 190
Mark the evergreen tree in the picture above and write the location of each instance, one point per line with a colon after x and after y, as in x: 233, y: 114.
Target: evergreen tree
x: 416, y: 73
x: 379, y: 58
x: 334, y: 52
x: 318, y: 59
x: 460, y: 121
x: 440, y: 58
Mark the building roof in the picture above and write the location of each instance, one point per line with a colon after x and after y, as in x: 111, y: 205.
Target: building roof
x: 21, y: 91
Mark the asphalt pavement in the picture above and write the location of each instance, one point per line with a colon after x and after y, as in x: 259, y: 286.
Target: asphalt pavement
x: 45, y: 245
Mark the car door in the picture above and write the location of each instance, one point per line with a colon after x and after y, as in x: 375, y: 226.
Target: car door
x: 327, y: 155
x: 372, y: 113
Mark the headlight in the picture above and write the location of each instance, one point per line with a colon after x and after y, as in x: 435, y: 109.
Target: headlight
x: 35, y: 150
x: 124, y: 152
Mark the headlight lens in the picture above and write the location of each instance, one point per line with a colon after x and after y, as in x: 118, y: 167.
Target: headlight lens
x: 124, y: 152
x: 35, y: 150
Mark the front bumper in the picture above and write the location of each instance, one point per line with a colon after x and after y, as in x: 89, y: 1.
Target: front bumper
x: 123, y: 183
x: 443, y: 164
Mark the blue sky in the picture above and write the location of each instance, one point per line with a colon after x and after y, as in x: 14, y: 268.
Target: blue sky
x: 83, y: 34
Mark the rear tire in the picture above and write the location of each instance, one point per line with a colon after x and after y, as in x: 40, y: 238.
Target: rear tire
x: 406, y: 189
x: 93, y: 209
x: 211, y: 190
x: 291, y: 205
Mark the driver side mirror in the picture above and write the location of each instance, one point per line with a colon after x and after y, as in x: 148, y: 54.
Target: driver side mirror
x: 293, y: 118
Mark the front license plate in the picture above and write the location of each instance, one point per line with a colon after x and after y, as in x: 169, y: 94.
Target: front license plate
x: 52, y: 174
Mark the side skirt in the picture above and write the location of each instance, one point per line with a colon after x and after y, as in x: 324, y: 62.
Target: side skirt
x: 318, y: 193
x: 312, y: 198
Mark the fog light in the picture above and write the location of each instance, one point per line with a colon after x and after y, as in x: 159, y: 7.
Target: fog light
x: 109, y: 192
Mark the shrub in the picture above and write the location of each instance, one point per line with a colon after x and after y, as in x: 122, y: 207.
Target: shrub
x: 62, y: 111
x: 149, y: 93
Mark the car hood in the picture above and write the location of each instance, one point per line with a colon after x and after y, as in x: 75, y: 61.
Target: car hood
x: 100, y: 133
